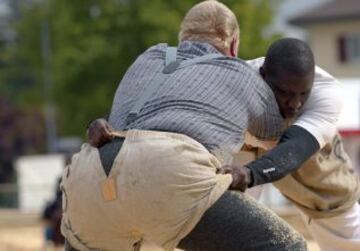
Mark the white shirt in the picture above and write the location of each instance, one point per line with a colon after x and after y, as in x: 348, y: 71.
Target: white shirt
x: 321, y: 111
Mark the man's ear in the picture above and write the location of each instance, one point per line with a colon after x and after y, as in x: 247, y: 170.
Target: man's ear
x: 234, y: 46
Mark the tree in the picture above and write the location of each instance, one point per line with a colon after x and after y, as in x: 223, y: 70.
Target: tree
x: 94, y: 42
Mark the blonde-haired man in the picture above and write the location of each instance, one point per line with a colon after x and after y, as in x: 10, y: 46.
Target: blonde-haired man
x: 212, y: 22
x: 179, y: 116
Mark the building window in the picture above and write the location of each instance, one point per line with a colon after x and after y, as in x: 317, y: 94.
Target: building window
x: 349, y: 48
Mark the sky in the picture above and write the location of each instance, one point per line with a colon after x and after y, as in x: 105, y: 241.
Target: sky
x: 289, y: 9
x: 3, y: 7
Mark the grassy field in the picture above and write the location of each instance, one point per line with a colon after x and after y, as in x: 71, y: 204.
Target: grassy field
x: 24, y: 232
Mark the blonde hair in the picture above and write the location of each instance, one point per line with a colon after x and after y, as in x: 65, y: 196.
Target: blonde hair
x: 212, y: 22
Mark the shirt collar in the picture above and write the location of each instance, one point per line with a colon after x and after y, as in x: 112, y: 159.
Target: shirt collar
x: 196, y: 48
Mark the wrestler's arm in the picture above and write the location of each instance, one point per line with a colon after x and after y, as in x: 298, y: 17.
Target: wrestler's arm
x: 296, y: 145
x: 323, y: 109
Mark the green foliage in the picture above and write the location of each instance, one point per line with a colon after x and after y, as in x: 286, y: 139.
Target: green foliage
x: 93, y: 43
x: 253, y: 17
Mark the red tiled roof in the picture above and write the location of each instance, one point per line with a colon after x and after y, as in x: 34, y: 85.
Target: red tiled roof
x: 333, y: 11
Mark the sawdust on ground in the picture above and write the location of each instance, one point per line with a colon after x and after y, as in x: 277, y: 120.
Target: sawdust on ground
x: 28, y: 236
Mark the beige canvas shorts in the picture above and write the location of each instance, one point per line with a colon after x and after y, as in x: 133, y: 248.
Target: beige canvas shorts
x: 159, y: 187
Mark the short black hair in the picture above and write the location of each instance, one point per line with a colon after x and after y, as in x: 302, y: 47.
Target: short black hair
x: 289, y: 55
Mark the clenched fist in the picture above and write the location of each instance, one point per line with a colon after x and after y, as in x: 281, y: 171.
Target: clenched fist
x: 99, y: 132
x: 241, y: 176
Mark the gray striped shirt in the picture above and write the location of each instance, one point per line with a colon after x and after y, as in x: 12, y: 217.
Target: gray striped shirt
x: 213, y: 102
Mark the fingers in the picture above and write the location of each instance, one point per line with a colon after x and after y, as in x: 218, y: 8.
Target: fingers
x: 220, y: 171
x: 239, y: 175
x: 107, y: 134
x: 109, y: 127
x: 223, y: 170
x: 96, y: 139
x: 99, y: 132
x: 102, y: 138
x: 239, y: 182
x: 227, y: 169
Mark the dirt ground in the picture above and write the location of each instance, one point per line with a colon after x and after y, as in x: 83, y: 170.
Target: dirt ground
x: 19, y: 232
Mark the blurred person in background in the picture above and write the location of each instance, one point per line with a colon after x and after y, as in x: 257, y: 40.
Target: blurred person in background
x: 52, y: 217
x: 52, y: 212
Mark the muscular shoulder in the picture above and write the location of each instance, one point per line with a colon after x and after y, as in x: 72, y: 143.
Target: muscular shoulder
x: 325, y: 95
x: 155, y: 51
x: 322, y: 110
